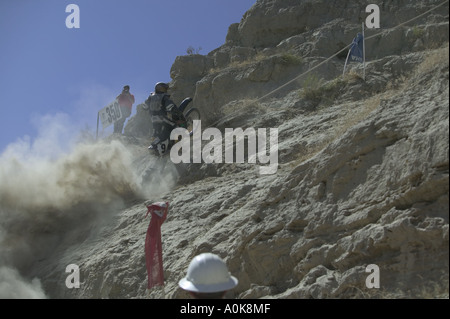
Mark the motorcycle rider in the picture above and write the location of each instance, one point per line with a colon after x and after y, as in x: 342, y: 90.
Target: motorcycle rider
x: 164, y: 113
x: 160, y: 107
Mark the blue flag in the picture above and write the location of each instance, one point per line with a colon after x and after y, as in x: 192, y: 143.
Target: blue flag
x: 356, y: 50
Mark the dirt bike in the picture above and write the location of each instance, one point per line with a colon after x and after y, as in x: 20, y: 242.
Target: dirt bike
x: 184, y: 118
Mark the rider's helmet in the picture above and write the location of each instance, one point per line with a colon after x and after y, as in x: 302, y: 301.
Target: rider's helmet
x: 207, y: 273
x: 161, y: 87
x: 126, y: 88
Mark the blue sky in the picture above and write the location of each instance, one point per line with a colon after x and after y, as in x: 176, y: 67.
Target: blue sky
x: 54, y: 79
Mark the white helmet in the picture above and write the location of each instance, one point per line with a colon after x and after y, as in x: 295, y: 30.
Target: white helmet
x: 207, y: 273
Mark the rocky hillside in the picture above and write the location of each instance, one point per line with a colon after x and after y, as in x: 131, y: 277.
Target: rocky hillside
x: 363, y: 174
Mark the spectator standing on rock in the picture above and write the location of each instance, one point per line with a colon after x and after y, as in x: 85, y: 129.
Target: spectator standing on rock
x: 126, y: 101
x: 208, y: 277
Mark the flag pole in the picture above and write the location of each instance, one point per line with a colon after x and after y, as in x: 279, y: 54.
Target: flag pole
x: 345, y: 65
x: 364, y: 53
x: 98, y: 115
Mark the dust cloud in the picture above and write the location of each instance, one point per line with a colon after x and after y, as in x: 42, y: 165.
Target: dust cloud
x: 49, y: 200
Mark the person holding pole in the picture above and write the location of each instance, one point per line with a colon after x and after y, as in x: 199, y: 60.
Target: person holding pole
x: 126, y: 101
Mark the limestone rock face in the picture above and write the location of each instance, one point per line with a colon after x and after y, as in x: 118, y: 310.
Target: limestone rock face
x: 270, y: 21
x: 278, y: 40
x: 362, y: 182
